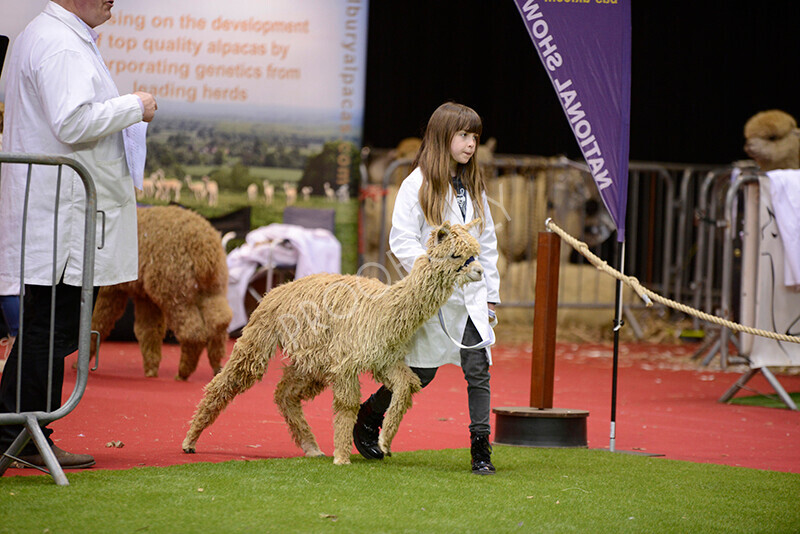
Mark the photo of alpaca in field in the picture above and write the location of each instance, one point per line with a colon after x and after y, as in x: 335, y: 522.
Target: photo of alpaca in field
x: 331, y: 328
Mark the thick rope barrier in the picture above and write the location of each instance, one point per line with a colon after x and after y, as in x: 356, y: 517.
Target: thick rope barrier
x: 649, y: 296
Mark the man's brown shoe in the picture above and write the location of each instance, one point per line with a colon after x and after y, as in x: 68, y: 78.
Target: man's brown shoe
x: 67, y: 460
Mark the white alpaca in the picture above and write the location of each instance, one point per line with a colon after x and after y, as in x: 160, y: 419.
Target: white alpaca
x: 148, y: 189
x: 252, y: 193
x: 171, y: 188
x: 269, y: 192
x: 333, y: 328
x: 343, y: 193
x: 158, y: 185
x: 197, y: 188
x: 212, y: 190
x: 330, y: 194
x: 291, y: 193
x: 306, y: 191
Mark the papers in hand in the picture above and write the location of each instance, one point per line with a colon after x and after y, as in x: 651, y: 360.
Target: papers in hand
x: 136, y: 151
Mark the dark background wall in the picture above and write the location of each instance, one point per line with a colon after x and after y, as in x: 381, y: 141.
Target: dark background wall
x: 700, y: 70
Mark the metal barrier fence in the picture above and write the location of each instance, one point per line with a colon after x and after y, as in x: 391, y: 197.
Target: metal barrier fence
x: 663, y: 228
x: 32, y: 421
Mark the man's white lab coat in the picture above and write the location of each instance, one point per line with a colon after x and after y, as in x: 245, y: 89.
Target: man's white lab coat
x: 60, y: 99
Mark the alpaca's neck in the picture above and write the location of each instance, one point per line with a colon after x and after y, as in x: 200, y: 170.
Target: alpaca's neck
x: 415, y: 298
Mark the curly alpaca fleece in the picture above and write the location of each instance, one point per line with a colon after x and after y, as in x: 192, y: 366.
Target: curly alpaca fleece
x: 182, y: 285
x: 773, y: 140
x: 334, y: 327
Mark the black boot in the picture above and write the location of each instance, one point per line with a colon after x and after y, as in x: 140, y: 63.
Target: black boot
x: 366, y: 431
x: 481, y: 451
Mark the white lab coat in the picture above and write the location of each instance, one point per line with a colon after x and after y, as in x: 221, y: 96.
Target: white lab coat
x: 60, y: 99
x: 431, y: 347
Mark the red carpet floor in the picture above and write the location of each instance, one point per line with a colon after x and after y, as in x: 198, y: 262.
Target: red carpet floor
x: 666, y: 406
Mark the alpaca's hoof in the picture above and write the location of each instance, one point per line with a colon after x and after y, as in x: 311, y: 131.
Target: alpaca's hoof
x: 180, y: 378
x: 151, y: 374
x: 341, y: 461
x: 188, y: 445
x: 384, y: 447
x: 312, y: 451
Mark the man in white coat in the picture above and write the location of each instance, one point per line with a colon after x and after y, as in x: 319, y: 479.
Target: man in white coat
x: 60, y: 99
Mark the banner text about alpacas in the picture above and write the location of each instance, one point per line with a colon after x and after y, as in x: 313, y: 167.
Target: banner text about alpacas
x: 191, y: 58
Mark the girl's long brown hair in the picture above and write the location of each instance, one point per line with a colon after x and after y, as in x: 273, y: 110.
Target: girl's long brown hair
x: 433, y: 159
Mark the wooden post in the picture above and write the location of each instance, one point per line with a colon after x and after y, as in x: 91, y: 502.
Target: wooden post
x: 545, y: 314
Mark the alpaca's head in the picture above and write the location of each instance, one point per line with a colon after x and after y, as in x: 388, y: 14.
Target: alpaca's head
x: 454, y: 251
x: 773, y: 140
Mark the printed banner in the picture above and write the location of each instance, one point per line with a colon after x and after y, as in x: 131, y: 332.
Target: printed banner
x: 285, y: 77
x: 585, y: 46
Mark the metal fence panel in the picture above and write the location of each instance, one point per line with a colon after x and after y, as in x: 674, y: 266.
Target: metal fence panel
x: 32, y: 421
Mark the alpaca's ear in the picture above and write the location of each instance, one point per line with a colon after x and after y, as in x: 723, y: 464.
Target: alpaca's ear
x: 443, y: 231
x: 473, y: 222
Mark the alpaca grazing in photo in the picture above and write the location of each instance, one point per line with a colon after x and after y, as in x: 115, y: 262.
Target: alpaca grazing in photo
x: 331, y: 328
x: 182, y: 285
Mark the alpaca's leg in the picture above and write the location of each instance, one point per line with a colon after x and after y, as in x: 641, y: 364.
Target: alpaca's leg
x: 217, y: 315
x: 149, y: 326
x: 403, y: 383
x: 247, y: 364
x: 190, y: 356
x: 186, y: 322
x: 216, y: 347
x: 108, y: 308
x: 346, y: 401
x: 294, y: 388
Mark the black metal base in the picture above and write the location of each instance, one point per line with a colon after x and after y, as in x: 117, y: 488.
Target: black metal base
x: 546, y: 427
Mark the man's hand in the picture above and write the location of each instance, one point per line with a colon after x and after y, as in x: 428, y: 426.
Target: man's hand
x: 150, y: 105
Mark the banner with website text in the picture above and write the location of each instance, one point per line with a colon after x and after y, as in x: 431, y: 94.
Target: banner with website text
x: 266, y: 85
x: 585, y: 47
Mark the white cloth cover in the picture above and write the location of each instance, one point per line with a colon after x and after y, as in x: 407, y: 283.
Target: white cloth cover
x: 310, y: 250
x: 777, y: 307
x: 784, y: 186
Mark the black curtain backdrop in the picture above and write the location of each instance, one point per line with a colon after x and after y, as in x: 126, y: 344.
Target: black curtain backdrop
x: 700, y: 70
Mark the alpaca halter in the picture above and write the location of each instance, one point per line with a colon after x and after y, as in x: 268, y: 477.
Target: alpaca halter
x: 470, y: 260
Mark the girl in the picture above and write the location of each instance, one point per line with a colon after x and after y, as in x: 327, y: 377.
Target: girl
x: 446, y: 184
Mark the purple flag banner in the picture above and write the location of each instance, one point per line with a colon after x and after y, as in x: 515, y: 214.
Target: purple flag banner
x: 585, y: 46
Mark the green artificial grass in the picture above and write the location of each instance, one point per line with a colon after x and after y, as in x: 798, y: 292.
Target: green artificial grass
x: 766, y: 401
x: 535, y: 490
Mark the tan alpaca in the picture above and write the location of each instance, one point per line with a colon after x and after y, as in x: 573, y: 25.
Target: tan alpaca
x: 212, y: 190
x: 334, y: 327
x: 252, y: 193
x: 198, y: 189
x: 182, y: 285
x: 773, y: 140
